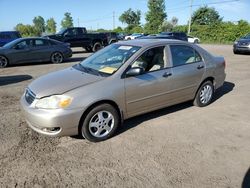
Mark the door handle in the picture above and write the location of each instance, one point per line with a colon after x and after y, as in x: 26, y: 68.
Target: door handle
x: 167, y: 74
x: 200, y: 67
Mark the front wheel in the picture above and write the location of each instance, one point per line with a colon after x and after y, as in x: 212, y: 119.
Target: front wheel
x: 56, y: 57
x: 3, y: 62
x: 100, y: 123
x: 204, y: 94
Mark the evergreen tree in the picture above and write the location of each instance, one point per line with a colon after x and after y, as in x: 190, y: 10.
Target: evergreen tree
x: 155, y: 16
x: 67, y: 20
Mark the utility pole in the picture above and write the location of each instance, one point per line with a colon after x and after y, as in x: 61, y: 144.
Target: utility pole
x: 190, y: 16
x: 113, y: 20
x: 78, y: 22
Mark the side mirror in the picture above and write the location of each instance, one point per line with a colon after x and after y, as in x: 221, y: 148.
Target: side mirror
x: 135, y: 71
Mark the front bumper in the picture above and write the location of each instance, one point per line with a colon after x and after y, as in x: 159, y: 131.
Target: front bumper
x: 58, y: 122
x: 68, y: 53
x: 243, y: 49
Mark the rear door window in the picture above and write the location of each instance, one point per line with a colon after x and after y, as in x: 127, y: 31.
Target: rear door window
x: 40, y: 42
x: 182, y: 55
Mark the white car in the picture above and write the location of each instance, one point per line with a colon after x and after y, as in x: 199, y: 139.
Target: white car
x: 193, y: 40
x: 133, y: 36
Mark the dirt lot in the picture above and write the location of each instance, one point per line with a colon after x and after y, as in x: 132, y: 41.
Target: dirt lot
x: 180, y: 146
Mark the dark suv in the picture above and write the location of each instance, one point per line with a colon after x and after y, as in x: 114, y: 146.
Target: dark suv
x: 169, y: 35
x: 8, y: 36
x: 175, y: 35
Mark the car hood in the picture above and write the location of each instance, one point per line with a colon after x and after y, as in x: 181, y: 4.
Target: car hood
x: 244, y: 40
x: 2, y: 49
x: 61, y: 81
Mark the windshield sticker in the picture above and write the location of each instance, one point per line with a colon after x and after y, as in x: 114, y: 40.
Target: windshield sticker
x: 125, y: 47
x: 108, y: 70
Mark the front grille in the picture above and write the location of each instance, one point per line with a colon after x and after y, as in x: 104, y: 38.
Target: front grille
x: 243, y: 43
x: 29, y: 96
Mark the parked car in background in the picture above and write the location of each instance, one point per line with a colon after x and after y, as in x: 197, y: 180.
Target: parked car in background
x: 133, y: 36
x: 25, y: 50
x: 242, y: 45
x: 194, y: 40
x: 176, y: 35
x: 167, y: 35
x: 112, y: 37
x: 122, y: 80
x: 121, y: 36
x: 8, y: 36
x: 78, y: 37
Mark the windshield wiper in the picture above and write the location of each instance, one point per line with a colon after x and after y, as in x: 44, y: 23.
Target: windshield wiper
x: 83, y: 68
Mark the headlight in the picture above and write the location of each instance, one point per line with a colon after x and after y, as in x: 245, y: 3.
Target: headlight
x: 54, y: 102
x: 236, y: 42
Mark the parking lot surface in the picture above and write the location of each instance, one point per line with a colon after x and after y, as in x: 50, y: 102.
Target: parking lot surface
x: 180, y: 146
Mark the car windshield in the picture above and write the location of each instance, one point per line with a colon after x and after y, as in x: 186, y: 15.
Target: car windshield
x: 247, y: 36
x: 12, y: 43
x: 109, y: 59
x: 61, y: 32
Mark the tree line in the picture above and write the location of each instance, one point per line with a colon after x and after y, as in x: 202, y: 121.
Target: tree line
x: 206, y: 23
x: 40, y: 27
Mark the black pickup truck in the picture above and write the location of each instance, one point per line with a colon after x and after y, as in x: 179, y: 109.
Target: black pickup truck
x: 78, y: 37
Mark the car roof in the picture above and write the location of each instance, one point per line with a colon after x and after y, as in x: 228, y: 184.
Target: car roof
x: 150, y: 42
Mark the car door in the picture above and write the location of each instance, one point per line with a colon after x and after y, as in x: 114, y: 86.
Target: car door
x: 71, y: 36
x: 187, y: 71
x: 149, y: 90
x: 20, y: 52
x: 41, y: 50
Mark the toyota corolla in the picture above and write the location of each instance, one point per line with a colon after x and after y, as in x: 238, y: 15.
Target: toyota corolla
x: 122, y: 80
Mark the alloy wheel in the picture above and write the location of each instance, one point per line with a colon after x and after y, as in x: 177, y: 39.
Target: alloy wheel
x: 3, y: 62
x: 57, y: 57
x: 101, y: 124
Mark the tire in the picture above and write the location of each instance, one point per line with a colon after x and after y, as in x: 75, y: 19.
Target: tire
x: 196, y: 41
x: 3, y: 61
x: 97, y: 46
x: 100, y: 123
x: 56, y: 57
x: 204, y: 95
x: 88, y: 49
x: 236, y: 52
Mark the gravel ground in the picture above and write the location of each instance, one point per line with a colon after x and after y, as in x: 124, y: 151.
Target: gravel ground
x: 180, y: 146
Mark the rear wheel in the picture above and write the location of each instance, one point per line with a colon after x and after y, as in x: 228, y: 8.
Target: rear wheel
x: 204, y: 94
x: 100, y: 123
x: 196, y: 41
x: 3, y: 61
x: 88, y: 49
x: 97, y: 46
x: 56, y: 57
